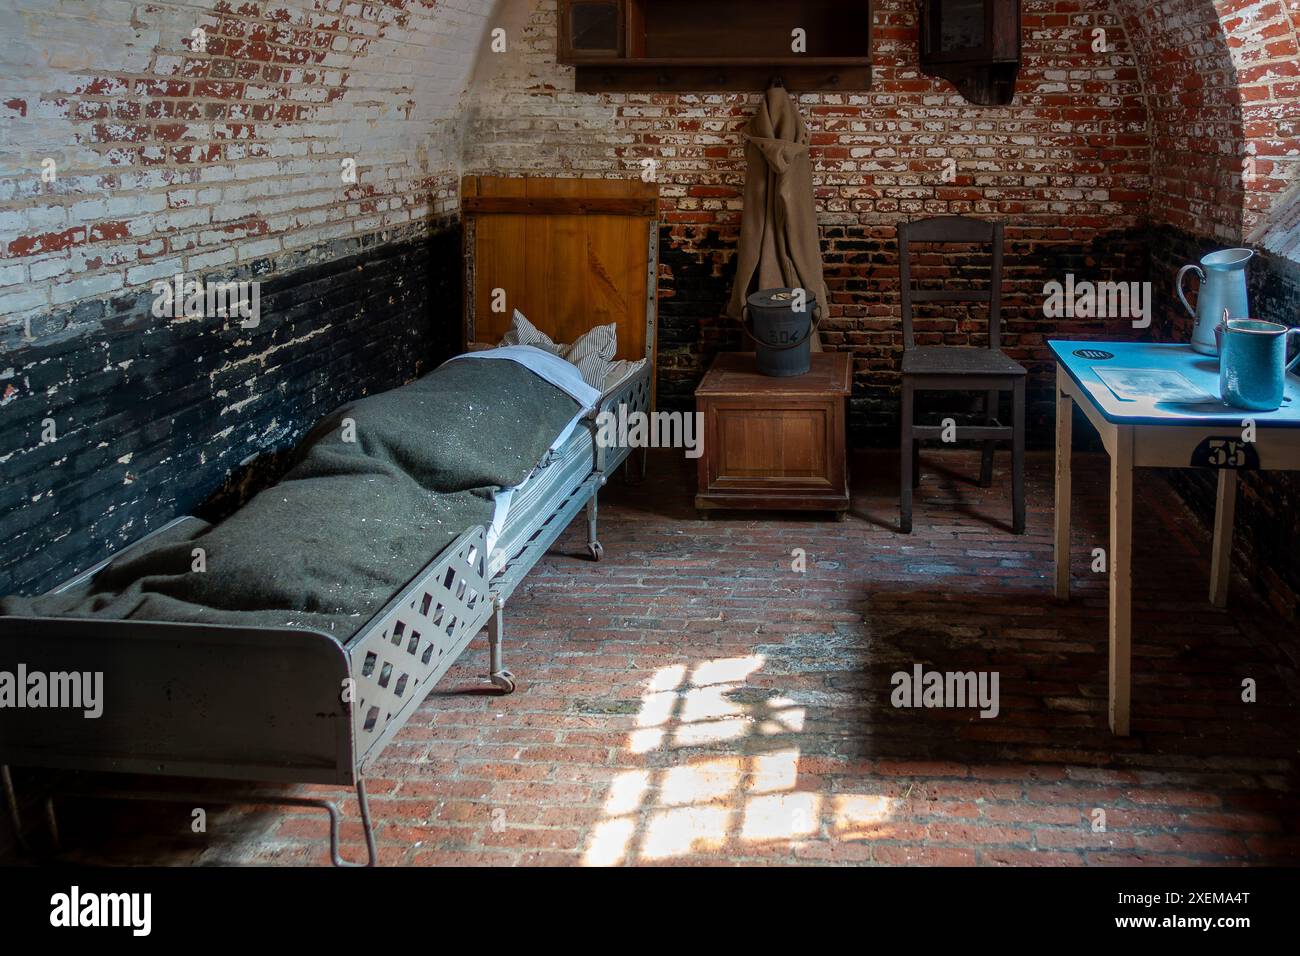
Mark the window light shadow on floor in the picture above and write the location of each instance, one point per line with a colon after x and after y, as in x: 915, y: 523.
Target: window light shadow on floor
x: 710, y: 803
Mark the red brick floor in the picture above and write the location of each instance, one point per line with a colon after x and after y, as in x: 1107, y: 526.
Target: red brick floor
x: 694, y: 700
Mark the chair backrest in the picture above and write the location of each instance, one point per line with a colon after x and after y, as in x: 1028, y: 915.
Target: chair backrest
x: 951, y: 229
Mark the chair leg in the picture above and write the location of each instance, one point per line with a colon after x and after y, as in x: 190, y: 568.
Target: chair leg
x: 990, y: 418
x: 1018, y: 458
x: 907, y: 450
x: 916, y: 464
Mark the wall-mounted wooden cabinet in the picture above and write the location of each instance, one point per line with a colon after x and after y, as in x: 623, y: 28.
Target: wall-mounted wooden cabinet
x: 591, y: 29
x: 975, y: 45
x: 686, y: 45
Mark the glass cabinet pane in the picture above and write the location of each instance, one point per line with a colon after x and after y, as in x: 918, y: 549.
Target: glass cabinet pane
x: 594, y: 26
x: 959, y: 25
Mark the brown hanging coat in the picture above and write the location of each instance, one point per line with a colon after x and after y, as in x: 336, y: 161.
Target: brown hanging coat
x: 779, y: 242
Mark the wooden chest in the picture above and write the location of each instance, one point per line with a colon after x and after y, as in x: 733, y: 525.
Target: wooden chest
x: 774, y: 443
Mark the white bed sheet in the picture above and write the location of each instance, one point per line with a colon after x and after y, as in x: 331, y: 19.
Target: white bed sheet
x: 577, y: 450
x: 562, y: 374
x: 565, y: 376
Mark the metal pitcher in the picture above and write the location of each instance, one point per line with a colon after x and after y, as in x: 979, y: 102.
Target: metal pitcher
x: 1223, y: 286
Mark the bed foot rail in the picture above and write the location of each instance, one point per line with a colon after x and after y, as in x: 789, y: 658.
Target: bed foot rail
x: 501, y: 678
x: 221, y: 799
x: 594, y: 547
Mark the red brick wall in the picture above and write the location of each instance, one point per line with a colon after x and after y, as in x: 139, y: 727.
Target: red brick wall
x: 1067, y: 164
x: 1073, y: 144
x: 1222, y: 82
x: 1189, y: 120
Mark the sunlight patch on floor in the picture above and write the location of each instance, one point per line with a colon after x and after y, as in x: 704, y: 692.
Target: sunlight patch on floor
x: 719, y: 802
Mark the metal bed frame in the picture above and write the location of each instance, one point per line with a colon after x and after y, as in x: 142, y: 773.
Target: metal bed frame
x: 280, y: 705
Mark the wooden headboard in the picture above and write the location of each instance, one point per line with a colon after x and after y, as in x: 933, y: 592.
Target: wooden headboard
x: 570, y: 254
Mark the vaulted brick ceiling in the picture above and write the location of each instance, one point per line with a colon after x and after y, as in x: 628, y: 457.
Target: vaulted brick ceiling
x: 1222, y: 82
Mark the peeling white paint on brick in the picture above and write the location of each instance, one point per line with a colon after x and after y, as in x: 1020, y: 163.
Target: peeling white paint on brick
x: 88, y: 85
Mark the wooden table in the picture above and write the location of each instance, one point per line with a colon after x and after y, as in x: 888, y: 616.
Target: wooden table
x: 774, y: 443
x: 1145, y: 433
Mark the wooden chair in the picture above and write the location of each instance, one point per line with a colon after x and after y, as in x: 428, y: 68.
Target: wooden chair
x: 960, y: 368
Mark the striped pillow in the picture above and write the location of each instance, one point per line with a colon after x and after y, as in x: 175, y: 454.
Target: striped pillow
x: 593, y: 353
x: 523, y: 332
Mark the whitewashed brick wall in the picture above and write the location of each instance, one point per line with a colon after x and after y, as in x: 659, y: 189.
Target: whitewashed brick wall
x: 170, y: 157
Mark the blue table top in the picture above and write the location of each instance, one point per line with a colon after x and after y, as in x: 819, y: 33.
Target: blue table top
x: 1202, y: 371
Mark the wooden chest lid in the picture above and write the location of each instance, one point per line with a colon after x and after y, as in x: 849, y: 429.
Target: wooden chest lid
x: 735, y: 373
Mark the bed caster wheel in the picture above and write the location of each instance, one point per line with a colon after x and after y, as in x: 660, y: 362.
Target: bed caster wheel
x: 503, y: 681
x: 596, y: 550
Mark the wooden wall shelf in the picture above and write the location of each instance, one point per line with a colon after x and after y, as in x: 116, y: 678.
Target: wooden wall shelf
x: 689, y: 45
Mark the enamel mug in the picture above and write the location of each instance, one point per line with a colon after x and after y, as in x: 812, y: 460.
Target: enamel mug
x: 1253, y: 365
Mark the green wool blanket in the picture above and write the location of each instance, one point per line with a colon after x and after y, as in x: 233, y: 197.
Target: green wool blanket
x: 378, y: 489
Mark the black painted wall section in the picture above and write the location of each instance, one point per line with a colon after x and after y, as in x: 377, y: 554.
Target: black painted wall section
x: 157, y: 418
x: 1267, y: 541
x: 694, y: 288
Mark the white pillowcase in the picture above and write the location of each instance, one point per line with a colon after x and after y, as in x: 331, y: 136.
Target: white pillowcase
x: 593, y: 353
